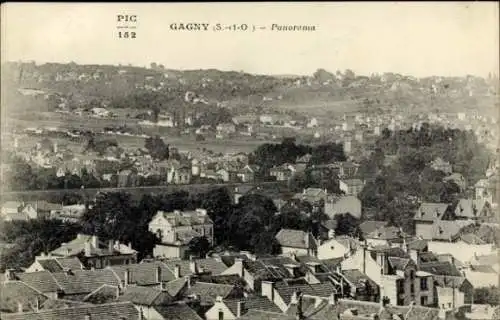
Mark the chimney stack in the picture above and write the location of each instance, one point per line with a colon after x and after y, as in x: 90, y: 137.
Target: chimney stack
x: 177, y: 271
x: 95, y: 241
x: 193, y: 266
x: 10, y: 275
x: 110, y: 246
x: 87, y: 249
x: 332, y: 300
x: 19, y: 307
x: 87, y: 316
x: 267, y: 290
x: 239, y: 265
x: 240, y: 308
x: 158, y: 274
x: 126, y: 278
x: 188, y: 281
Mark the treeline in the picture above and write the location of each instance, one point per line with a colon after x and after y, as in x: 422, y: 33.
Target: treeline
x: 269, y: 155
x: 251, y: 224
x: 395, y: 189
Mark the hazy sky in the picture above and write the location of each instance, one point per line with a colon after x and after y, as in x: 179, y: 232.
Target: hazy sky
x: 412, y: 38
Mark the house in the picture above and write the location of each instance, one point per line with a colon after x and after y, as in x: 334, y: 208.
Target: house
x: 425, y: 217
x: 232, y: 309
x: 18, y: 297
x: 338, y: 247
x: 70, y: 213
x: 439, y: 164
x: 179, y: 175
x: 226, y: 175
x: 458, y: 179
x: 477, y: 209
x: 386, y: 236
x: 297, y: 241
x: 96, y: 253
x: 351, y: 186
x: 453, y: 290
x: 107, y: 311
x: 42, y: 208
x: 395, y: 272
x: 176, y: 229
x: 282, y: 173
x: 359, y: 286
x: 369, y: 226
x: 335, y: 205
x: 312, y: 195
x: 49, y: 263
x: 247, y: 173
x: 283, y: 294
x: 145, y: 299
x: 175, y: 312
x: 127, y: 178
x: 184, y: 269
x: 42, y: 282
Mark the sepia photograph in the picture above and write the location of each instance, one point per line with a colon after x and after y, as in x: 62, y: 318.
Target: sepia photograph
x: 250, y: 161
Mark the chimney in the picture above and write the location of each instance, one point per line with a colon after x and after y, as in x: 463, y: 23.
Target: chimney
x: 177, y: 271
x: 332, y: 300
x: 240, y: 308
x: 19, y: 307
x: 193, y: 266
x: 267, y: 290
x: 126, y: 278
x: 95, y: 241
x: 111, y: 246
x: 188, y: 281
x: 87, y: 249
x: 117, y: 291
x: 37, y: 304
x: 158, y: 274
x: 239, y: 265
x: 295, y: 298
x: 10, y: 275
x: 87, y: 316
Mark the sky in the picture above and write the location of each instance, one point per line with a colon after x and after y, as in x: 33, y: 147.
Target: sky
x: 416, y: 38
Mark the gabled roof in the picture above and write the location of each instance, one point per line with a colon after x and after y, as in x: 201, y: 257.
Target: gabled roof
x: 143, y: 274
x: 108, y: 311
x: 418, y: 244
x: 399, y: 263
x: 177, y: 312
x: 14, y: 292
x: 208, y: 265
x: 442, y: 268
x: 449, y: 230
x: 85, y: 281
x: 265, y: 315
x: 387, y: 233
x: 42, y: 281
x: 103, y: 294
x: 57, y: 264
x: 355, y: 276
x: 77, y: 245
x: 369, y: 226
x: 208, y: 292
x: 145, y: 296
x: 315, y: 290
x: 252, y: 303
x: 483, y: 268
x: 174, y: 287
x: 430, y: 211
x: 296, y: 239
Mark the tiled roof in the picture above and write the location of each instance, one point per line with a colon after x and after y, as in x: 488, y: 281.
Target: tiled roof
x: 104, y: 294
x: 72, y: 263
x: 371, y: 225
x: 483, y: 268
x: 145, y: 296
x: 354, y: 276
x: 296, y: 239
x: 51, y: 265
x: 174, y: 287
x: 265, y: 315
x: 177, y: 312
x: 45, y: 206
x: 77, y: 245
x: 109, y: 311
x: 449, y: 230
x: 398, y: 263
x: 430, y: 211
x: 252, y: 303
x: 14, y: 292
x: 443, y: 268
x: 143, y: 274
x: 471, y: 238
x: 185, y: 236
x: 488, y: 259
x: 418, y: 245
x: 185, y: 218
x: 208, y: 292
x: 368, y: 308
x: 346, y: 204
x: 62, y: 303
x: 387, y: 233
x: 85, y: 281
x: 208, y: 265
x: 42, y: 281
x: 316, y: 290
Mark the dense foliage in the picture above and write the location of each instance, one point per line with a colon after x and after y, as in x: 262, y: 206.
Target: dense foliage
x: 393, y: 191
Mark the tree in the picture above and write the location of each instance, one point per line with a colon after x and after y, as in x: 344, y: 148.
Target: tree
x: 31, y: 238
x: 157, y: 148
x: 488, y: 295
x: 199, y: 246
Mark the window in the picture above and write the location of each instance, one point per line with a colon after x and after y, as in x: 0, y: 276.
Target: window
x: 412, y: 288
x: 401, y: 286
x: 412, y: 274
x: 449, y: 304
x: 423, y: 301
x: 221, y: 315
x: 423, y: 284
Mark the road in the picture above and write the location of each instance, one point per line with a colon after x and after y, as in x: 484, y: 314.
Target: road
x: 31, y: 195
